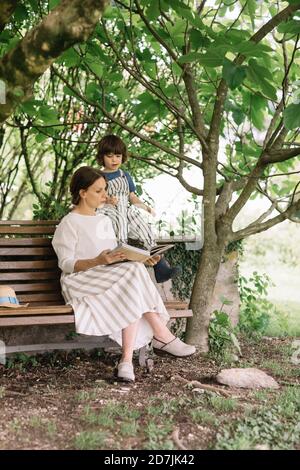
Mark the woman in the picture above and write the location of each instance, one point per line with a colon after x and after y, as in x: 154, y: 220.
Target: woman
x: 109, y: 296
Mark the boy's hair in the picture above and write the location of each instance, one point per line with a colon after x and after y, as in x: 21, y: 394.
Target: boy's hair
x: 83, y: 178
x: 111, y: 144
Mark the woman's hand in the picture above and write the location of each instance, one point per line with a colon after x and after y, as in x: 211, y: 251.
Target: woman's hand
x: 106, y: 257
x: 152, y: 261
x: 113, y: 200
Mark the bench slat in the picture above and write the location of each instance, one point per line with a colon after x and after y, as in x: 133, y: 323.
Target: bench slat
x: 41, y: 275
x: 37, y: 320
x: 46, y: 310
x: 176, y: 305
x: 46, y: 286
x: 28, y: 222
x: 25, y: 241
x: 41, y: 297
x: 43, y: 264
x: 180, y: 313
x: 30, y: 251
x: 27, y: 229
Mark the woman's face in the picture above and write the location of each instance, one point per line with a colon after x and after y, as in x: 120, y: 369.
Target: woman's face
x: 112, y: 161
x: 95, y: 195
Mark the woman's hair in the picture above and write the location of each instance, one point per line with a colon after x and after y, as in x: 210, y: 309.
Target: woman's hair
x: 83, y: 178
x: 111, y: 144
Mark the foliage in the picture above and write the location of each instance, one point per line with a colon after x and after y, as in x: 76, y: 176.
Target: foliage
x: 255, y: 309
x: 222, y: 338
x: 48, y: 208
x: 188, y: 260
x: 21, y: 361
x: 271, y: 428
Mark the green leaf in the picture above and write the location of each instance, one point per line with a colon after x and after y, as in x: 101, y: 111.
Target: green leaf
x: 21, y: 13
x: 213, y: 58
x: 233, y: 74
x: 291, y: 116
x: 92, y: 91
x: 150, y: 68
x: 34, y: 5
x: 47, y: 115
x: 153, y: 11
x: 69, y: 92
x: 69, y: 58
x: 122, y: 93
x: 191, y: 57
x: 30, y: 107
x: 251, y: 9
x: 292, y: 26
x: 198, y: 40
x: 254, y: 74
x: 97, y: 68
x: 53, y: 4
x: 41, y: 138
x: 257, y: 111
x: 249, y: 48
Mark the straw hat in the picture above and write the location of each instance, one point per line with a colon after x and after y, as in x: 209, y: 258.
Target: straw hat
x: 8, y: 298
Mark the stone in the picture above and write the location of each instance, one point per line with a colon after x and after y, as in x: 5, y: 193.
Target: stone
x: 246, y: 378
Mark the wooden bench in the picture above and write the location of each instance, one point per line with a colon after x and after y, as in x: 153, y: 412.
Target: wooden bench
x: 28, y: 264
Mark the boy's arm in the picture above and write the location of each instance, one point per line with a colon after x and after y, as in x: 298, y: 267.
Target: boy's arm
x: 136, y: 201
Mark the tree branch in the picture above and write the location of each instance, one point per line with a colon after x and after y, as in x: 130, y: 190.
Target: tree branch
x: 252, y: 229
x: 276, y: 156
x: 71, y: 22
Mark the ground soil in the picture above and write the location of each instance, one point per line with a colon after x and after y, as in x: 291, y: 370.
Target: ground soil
x: 54, y: 401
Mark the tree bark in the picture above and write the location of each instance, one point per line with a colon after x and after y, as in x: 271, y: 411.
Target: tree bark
x: 197, y: 326
x: 70, y: 23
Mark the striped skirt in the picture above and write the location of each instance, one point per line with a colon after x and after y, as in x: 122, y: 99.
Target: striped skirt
x: 106, y: 299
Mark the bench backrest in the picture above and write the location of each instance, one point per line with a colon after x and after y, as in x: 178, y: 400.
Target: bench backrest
x: 28, y: 262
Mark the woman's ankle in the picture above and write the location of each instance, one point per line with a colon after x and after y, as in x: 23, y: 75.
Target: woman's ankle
x: 164, y: 338
x: 127, y: 359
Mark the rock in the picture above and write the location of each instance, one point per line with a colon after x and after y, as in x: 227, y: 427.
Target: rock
x: 246, y: 378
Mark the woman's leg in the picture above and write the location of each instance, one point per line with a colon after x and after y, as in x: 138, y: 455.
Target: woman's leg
x: 164, y: 341
x: 128, y: 340
x: 160, y: 330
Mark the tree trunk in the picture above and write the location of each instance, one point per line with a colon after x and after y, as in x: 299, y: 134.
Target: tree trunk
x: 197, y: 326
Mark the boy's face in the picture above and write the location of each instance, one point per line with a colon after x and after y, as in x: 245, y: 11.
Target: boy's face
x: 112, y: 161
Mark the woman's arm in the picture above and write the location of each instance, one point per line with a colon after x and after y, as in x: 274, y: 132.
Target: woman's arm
x: 64, y: 243
x: 104, y: 258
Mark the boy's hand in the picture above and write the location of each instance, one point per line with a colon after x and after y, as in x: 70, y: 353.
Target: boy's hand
x: 152, y: 261
x: 106, y: 257
x: 112, y: 200
x: 151, y: 211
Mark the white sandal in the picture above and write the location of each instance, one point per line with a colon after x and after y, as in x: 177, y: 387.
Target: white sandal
x: 175, y: 347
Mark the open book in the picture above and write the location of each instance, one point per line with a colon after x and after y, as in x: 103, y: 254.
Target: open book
x: 133, y: 253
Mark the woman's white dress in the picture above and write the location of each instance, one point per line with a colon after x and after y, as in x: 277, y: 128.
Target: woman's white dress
x: 105, y: 299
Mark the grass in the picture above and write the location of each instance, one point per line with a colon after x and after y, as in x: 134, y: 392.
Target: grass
x: 286, y: 322
x: 202, y: 416
x: 274, y: 427
x: 90, y: 440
